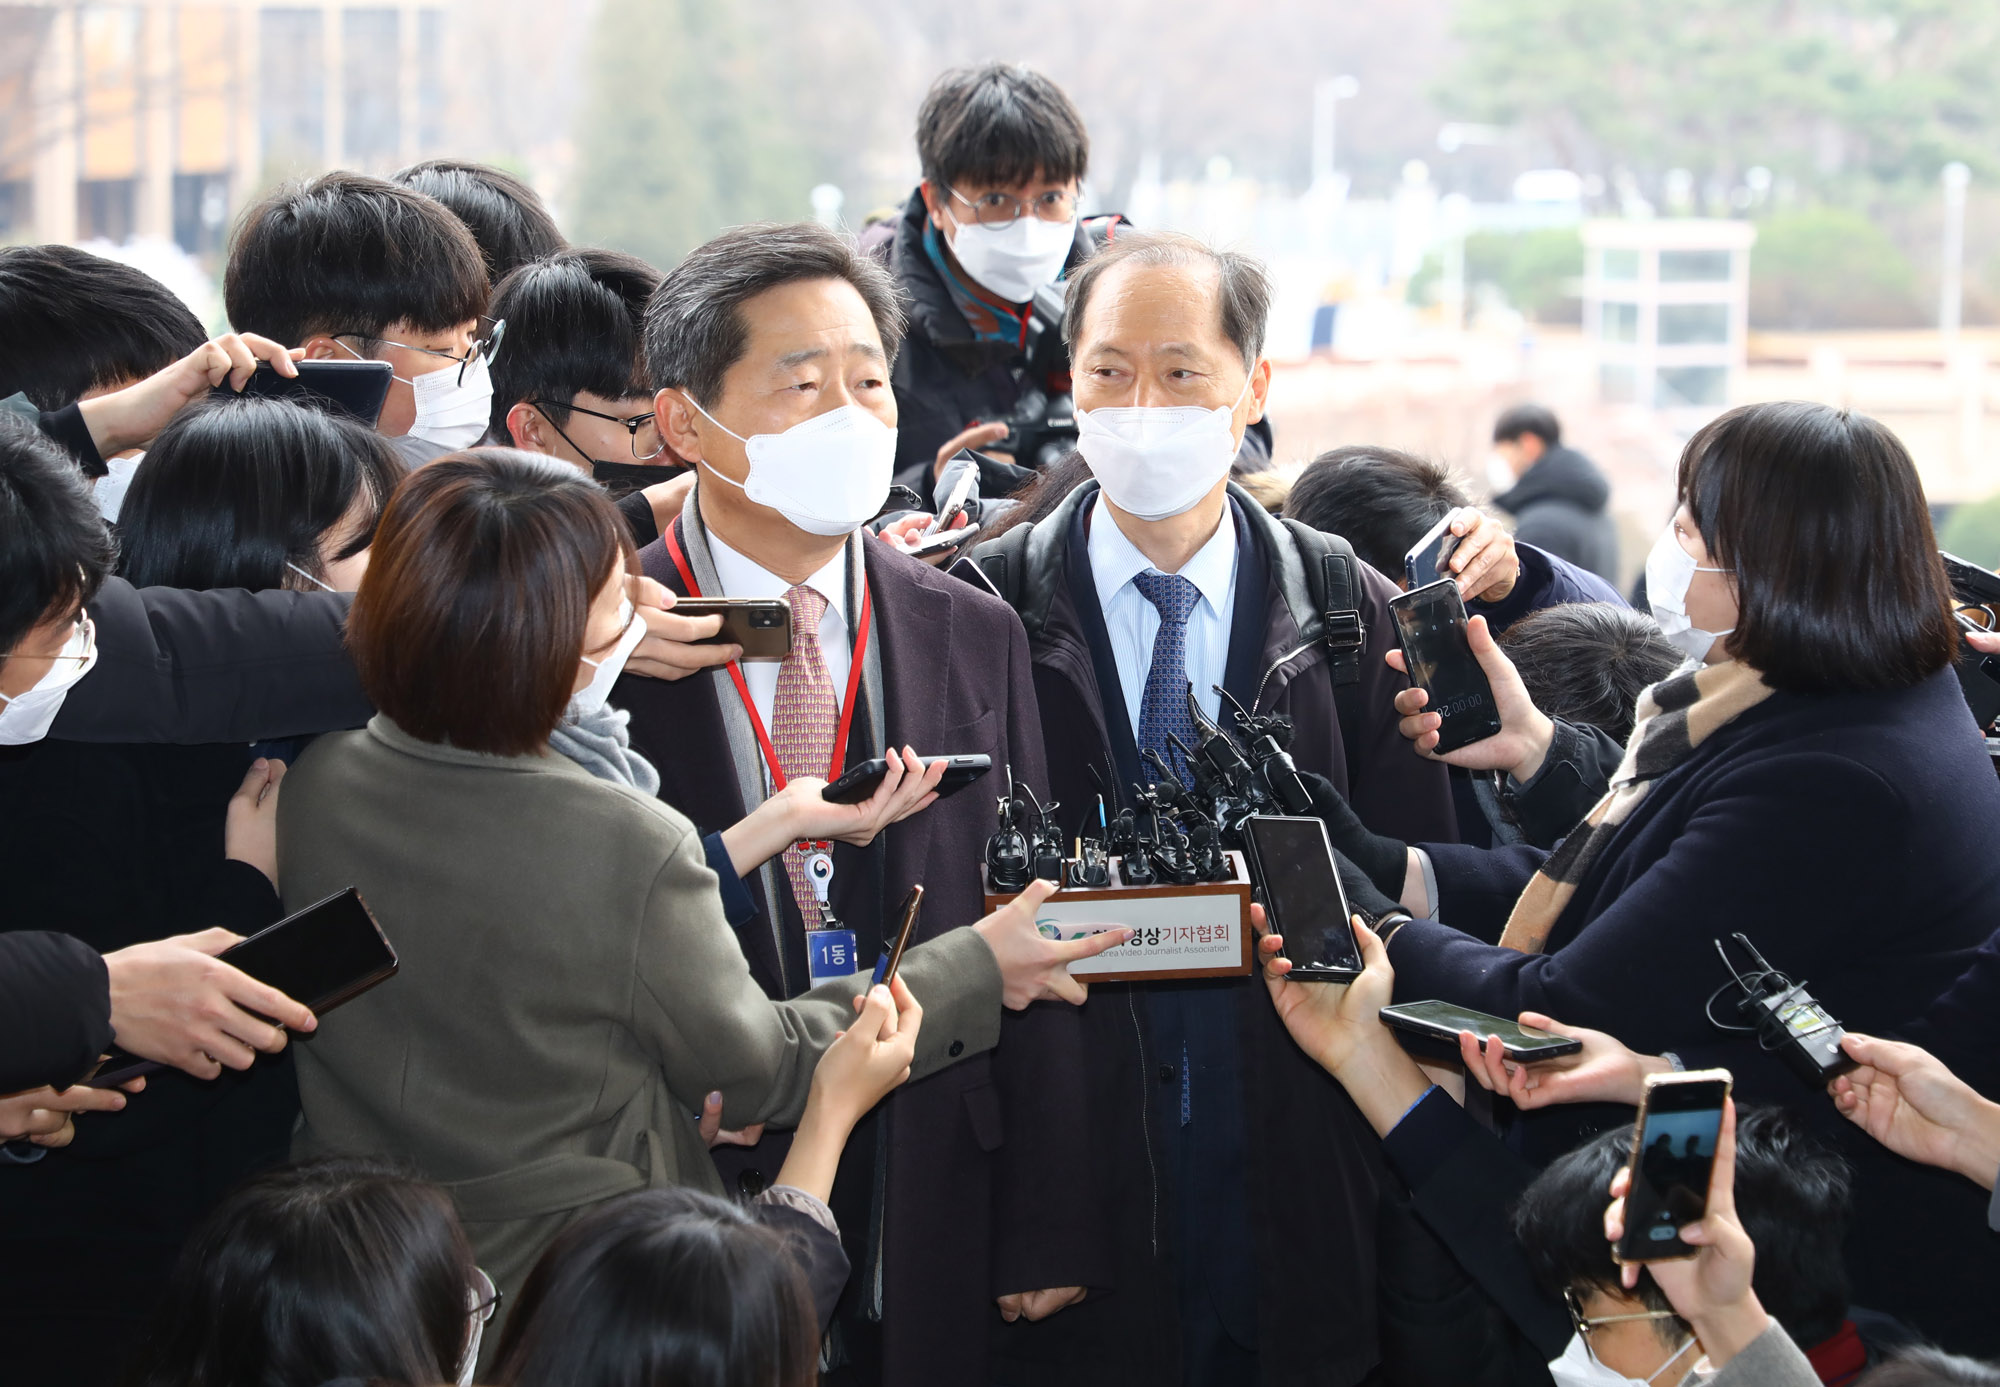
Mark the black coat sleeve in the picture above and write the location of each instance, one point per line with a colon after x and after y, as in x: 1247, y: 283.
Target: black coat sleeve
x: 1463, y: 1181
x: 220, y: 666
x: 55, y: 1009
x: 1574, y: 776
x: 66, y: 427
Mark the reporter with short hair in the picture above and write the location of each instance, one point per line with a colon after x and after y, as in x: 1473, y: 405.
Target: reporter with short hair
x: 570, y: 990
x: 1810, y: 776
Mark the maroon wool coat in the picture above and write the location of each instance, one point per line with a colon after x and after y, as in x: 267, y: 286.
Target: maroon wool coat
x: 965, y: 1209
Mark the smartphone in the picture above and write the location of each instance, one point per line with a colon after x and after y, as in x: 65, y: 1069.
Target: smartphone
x: 1425, y: 563
x: 861, y: 781
x: 886, y: 966
x: 942, y: 540
x: 1673, y: 1153
x: 325, y: 955
x: 1443, y: 1021
x: 761, y: 625
x: 954, y: 502
x: 1430, y: 623
x: 1303, y: 898
x: 355, y: 388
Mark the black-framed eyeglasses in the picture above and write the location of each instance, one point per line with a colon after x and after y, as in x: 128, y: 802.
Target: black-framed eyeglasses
x: 487, y: 347
x: 482, y: 1297
x: 1004, y: 209
x: 632, y: 424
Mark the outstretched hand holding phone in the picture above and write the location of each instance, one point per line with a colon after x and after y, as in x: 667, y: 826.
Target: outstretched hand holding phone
x: 1604, y: 1071
x: 863, y: 1065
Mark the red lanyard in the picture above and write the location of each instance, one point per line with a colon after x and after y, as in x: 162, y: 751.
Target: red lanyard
x: 743, y: 689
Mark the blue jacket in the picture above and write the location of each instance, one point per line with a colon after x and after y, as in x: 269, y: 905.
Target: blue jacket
x: 1851, y: 837
x: 1545, y: 581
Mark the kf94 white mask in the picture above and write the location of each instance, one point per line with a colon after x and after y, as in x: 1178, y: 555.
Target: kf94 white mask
x: 1670, y: 570
x: 1016, y: 259
x: 828, y: 475
x: 1159, y: 461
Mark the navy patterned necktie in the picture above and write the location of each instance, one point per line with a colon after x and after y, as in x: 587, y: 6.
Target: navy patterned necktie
x: 1163, y: 708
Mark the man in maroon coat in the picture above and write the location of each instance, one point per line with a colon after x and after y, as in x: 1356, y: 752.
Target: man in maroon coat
x: 771, y: 347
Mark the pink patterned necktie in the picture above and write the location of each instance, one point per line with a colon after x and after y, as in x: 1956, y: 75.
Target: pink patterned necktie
x: 803, y: 719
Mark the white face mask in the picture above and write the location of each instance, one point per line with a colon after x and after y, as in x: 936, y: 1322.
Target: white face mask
x: 828, y: 476
x: 1157, y: 462
x: 27, y: 715
x: 451, y: 414
x: 1670, y: 570
x: 1499, y: 474
x: 592, y: 696
x: 1016, y: 259
x: 1577, y: 1368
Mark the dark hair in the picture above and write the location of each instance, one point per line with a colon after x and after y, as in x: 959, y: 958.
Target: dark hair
x: 1379, y: 500
x: 236, y: 488
x: 78, y: 322
x: 58, y: 550
x: 1588, y: 661
x: 332, y: 1268
x: 1793, y: 1195
x: 1924, y: 1366
x: 485, y: 560
x: 1820, y: 518
x: 574, y: 322
x: 506, y: 216
x: 1538, y: 420
x: 999, y: 123
x: 694, y: 324
x: 1242, y: 289
x: 669, y: 1286
x: 350, y: 253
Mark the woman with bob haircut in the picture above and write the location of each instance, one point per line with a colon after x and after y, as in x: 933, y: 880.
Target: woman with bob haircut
x: 570, y: 989
x: 316, y: 1271
x: 1810, y: 777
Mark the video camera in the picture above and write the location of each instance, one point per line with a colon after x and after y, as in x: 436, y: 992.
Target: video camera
x: 1041, y: 428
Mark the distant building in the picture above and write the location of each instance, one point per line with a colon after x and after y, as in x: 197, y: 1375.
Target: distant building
x: 1666, y: 309
x: 160, y: 119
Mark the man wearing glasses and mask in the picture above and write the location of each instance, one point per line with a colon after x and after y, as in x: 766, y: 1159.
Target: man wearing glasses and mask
x: 573, y: 383
x: 353, y: 268
x: 996, y: 218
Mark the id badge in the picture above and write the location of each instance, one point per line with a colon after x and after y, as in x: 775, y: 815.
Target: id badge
x: 831, y: 954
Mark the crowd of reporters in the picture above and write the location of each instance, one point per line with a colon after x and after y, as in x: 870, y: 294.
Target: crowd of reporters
x: 630, y: 1103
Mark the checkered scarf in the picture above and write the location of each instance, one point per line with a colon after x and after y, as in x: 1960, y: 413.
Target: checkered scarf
x: 1676, y: 715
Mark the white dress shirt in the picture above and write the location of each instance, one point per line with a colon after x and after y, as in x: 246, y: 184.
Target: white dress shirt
x: 742, y: 577
x: 1132, y: 621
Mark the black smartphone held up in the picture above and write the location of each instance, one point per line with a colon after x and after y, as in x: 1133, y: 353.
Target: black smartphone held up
x: 1303, y: 898
x: 356, y: 388
x: 886, y: 966
x: 761, y: 625
x: 325, y: 955
x: 942, y: 541
x: 1425, y: 563
x: 862, y: 781
x: 1673, y: 1154
x: 1430, y: 623
x: 1442, y: 1021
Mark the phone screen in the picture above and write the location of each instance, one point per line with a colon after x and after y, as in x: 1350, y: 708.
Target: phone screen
x: 1303, y: 899
x: 1430, y: 622
x: 319, y: 954
x: 1447, y: 1020
x: 1673, y: 1153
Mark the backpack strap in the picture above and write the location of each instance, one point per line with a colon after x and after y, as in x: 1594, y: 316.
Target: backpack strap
x: 1333, y: 581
